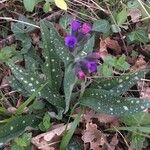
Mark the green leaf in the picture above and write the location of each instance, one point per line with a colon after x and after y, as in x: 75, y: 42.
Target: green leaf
x: 101, y: 26
x: 119, y: 85
x: 115, y: 28
x: 37, y: 105
x: 70, y: 80
x: 46, y: 7
x: 121, y: 63
x: 67, y: 136
x: 133, y: 4
x: 16, y: 126
x: 52, y: 65
x: 65, y: 22
x: 24, y: 140
x: 20, y: 28
x: 138, y: 36
x: 87, y: 48
x: 61, y: 4
x: 104, y: 101
x: 45, y: 124
x: 30, y: 4
x: 21, y: 108
x: 137, y: 141
x: 7, y: 52
x: 31, y: 82
x: 136, y: 129
x: 107, y: 70
x: 122, y: 16
x: 140, y: 119
x: 60, y: 49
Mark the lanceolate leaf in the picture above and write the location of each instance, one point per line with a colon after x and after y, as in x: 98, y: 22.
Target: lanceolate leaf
x: 31, y: 82
x: 119, y: 85
x: 52, y: 66
x: 69, y: 81
x: 61, y: 50
x: 16, y: 126
x: 104, y: 101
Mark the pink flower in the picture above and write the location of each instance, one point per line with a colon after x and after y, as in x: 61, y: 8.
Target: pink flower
x: 86, y: 28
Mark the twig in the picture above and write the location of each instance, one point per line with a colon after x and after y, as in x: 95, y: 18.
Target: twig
x: 144, y: 8
x: 11, y: 19
x: 100, y: 8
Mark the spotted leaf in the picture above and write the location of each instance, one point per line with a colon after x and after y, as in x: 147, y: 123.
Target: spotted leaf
x: 16, y: 126
x: 52, y: 66
x: 119, y: 85
x: 61, y: 50
x: 106, y: 102
x: 31, y: 82
x: 69, y: 81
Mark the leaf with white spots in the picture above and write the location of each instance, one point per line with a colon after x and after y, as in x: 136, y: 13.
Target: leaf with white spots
x: 31, y: 83
x: 119, y: 85
x: 87, y: 47
x: 70, y: 80
x: 52, y: 65
x: 106, y: 102
x: 16, y: 126
x: 60, y: 49
x: 15, y: 84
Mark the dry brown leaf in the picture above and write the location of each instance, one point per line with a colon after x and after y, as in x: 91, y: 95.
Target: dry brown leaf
x: 88, y: 115
x: 93, y: 136
x: 139, y: 64
x: 103, y: 49
x: 114, y: 142
x: 144, y: 89
x: 113, y: 44
x: 45, y: 141
x: 104, y: 118
x: 109, y: 43
x: 135, y: 14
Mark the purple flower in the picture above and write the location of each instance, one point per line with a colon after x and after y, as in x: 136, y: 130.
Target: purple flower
x: 87, y: 65
x: 81, y: 75
x: 79, y: 72
x: 70, y: 41
x: 91, y: 66
x: 75, y: 25
x: 86, y: 28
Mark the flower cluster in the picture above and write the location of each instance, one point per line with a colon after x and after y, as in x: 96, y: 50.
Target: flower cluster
x: 78, y: 29
x: 87, y: 66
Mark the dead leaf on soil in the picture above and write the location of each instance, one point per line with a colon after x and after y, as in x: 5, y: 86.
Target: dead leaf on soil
x: 139, y: 64
x: 135, y: 14
x: 102, y: 118
x: 93, y: 136
x: 144, y: 89
x: 109, y: 43
x: 48, y: 140
x: 113, y: 44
